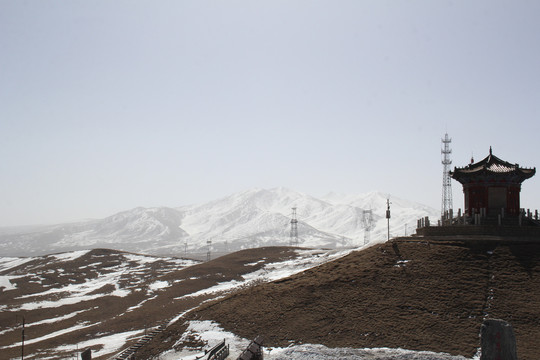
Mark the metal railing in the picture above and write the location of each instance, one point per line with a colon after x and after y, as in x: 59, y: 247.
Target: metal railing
x: 218, y: 352
x: 253, y: 351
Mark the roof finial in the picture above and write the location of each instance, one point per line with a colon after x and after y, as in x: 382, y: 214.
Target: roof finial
x: 490, y: 151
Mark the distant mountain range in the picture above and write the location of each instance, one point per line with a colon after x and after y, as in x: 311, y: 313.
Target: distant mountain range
x: 253, y: 218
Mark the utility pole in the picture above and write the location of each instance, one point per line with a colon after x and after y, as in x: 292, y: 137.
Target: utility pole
x: 388, y: 215
x: 22, y: 340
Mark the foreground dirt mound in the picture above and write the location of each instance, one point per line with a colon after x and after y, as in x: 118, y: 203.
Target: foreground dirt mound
x: 413, y: 295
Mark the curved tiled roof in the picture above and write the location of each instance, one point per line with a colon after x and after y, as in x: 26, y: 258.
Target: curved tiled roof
x: 499, y: 168
x: 494, y: 166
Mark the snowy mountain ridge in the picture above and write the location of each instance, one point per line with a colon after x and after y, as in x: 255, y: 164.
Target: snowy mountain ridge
x: 252, y: 218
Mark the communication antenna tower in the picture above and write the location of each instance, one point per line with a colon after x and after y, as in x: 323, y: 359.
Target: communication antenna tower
x: 294, y: 228
x: 446, y: 205
x: 208, y: 253
x: 367, y: 221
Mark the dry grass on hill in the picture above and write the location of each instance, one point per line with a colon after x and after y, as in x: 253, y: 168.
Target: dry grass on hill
x: 108, y: 315
x: 408, y: 294
x: 412, y: 295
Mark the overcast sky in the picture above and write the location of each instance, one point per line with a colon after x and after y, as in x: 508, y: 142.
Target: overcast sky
x: 109, y: 105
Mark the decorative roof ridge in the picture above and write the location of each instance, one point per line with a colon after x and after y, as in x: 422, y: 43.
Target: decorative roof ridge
x: 492, y: 164
x: 490, y: 160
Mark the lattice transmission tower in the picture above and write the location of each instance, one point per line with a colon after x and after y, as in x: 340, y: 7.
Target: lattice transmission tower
x: 367, y: 221
x: 446, y: 205
x: 209, y: 250
x: 294, y: 229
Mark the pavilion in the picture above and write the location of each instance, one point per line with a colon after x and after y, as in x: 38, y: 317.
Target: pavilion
x: 492, y: 190
x: 492, y: 186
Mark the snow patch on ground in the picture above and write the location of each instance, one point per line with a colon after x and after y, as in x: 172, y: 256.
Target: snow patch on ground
x: 110, y: 344
x: 70, y: 256
x: 212, y: 334
x: 141, y: 259
x: 321, y: 352
x: 52, y: 304
x: 221, y: 287
x: 5, y: 282
x: 7, y: 263
x: 307, y: 259
x: 256, y: 262
x: 56, y: 319
x: 76, y: 293
x: 51, y: 335
x: 139, y: 304
x: 158, y: 285
x: 120, y: 292
x: 146, y: 259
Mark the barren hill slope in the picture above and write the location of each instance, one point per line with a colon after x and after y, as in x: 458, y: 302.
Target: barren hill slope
x: 106, y: 300
x: 409, y: 294
x: 413, y: 295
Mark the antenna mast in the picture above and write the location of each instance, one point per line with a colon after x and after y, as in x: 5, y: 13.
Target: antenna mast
x: 294, y: 228
x: 388, y: 215
x: 446, y: 205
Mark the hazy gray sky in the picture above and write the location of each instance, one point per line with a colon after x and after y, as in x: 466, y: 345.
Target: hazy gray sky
x: 108, y: 105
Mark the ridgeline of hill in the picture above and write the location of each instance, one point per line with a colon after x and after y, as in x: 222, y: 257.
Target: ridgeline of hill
x: 416, y: 295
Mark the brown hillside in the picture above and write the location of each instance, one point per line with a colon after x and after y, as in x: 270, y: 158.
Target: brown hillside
x: 108, y: 314
x: 413, y: 295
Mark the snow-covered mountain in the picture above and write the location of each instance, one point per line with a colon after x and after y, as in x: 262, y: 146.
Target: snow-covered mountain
x: 253, y: 218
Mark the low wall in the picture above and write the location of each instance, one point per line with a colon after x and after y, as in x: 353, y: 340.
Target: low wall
x: 530, y: 232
